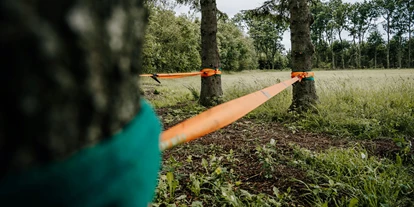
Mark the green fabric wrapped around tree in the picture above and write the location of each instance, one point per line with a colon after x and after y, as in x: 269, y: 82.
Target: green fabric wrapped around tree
x: 120, y: 171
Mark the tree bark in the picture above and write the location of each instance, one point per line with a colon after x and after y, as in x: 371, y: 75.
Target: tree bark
x: 70, y: 75
x: 211, y: 91
x: 304, y: 92
x: 409, y: 46
x: 318, y: 56
x: 342, y: 50
x: 360, y: 52
x: 333, y: 56
x: 409, y: 35
x: 388, y: 42
x: 356, y: 52
x: 399, y: 52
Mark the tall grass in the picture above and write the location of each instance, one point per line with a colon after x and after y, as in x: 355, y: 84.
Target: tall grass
x: 351, y: 177
x: 364, y: 107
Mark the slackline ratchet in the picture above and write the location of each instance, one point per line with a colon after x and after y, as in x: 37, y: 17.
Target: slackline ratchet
x: 120, y: 171
x: 303, y: 75
x: 206, y: 72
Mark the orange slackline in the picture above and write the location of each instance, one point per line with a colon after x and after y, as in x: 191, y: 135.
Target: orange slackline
x: 204, y: 73
x: 302, y: 75
x: 219, y: 116
x: 171, y: 75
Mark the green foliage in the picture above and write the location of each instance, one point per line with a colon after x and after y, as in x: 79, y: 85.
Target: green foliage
x: 194, y: 92
x: 171, y: 43
x: 236, y: 51
x: 349, y: 177
x: 267, y: 35
x: 217, y: 185
x: 360, y: 19
x: 406, y: 147
x: 267, y: 156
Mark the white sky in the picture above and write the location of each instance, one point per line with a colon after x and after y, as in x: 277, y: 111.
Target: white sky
x: 232, y: 7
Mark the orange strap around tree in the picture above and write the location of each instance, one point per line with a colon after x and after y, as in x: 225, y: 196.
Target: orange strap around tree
x: 207, y: 72
x: 302, y: 75
x: 219, y: 116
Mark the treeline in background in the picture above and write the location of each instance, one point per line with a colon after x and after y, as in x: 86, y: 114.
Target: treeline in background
x: 362, y: 35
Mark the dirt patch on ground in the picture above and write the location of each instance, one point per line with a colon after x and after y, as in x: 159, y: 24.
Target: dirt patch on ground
x: 243, y: 132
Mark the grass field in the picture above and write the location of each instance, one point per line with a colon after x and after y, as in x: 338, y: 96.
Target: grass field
x: 354, y: 151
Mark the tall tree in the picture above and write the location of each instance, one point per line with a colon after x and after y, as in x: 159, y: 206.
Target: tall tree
x: 407, y: 10
x: 351, y: 26
x: 387, y: 8
x: 410, y: 11
x: 340, y: 11
x: 211, y: 90
x: 297, y: 13
x: 330, y: 34
x: 375, y: 41
x: 399, y: 25
x: 322, y: 16
x: 304, y: 93
x: 361, y: 16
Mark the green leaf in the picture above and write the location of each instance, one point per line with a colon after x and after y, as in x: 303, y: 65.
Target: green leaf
x: 182, y: 197
x: 353, y: 202
x: 170, y: 178
x: 398, y: 160
x: 197, y: 204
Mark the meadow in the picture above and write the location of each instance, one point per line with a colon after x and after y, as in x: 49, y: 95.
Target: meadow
x: 355, y: 149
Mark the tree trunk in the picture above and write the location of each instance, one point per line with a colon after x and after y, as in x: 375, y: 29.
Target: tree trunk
x: 409, y: 46
x: 71, y: 73
x: 333, y: 56
x: 388, y: 43
x: 399, y: 52
x: 359, y: 52
x: 211, y: 91
x: 342, y: 51
x: 304, y: 92
x: 375, y: 59
x: 356, y: 52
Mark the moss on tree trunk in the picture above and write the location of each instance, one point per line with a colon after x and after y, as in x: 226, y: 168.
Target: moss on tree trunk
x: 211, y: 91
x: 70, y: 73
x: 304, y: 93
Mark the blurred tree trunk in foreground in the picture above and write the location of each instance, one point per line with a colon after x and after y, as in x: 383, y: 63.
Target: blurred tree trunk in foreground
x: 70, y: 70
